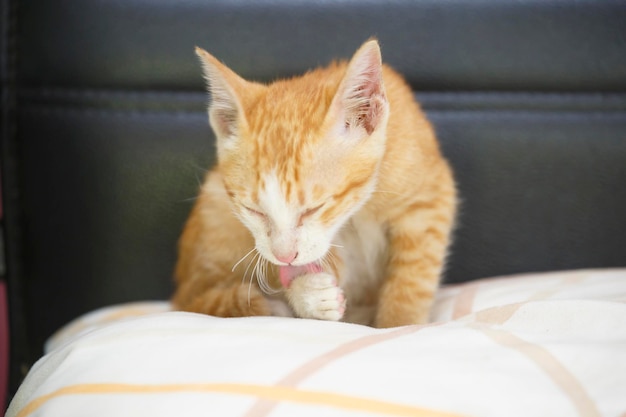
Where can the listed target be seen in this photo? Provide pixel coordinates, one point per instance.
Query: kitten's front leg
(316, 296)
(418, 242)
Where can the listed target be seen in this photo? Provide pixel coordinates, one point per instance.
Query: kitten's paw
(317, 296)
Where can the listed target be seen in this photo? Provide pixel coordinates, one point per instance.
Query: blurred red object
(4, 346)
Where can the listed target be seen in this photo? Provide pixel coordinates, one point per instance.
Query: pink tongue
(287, 273)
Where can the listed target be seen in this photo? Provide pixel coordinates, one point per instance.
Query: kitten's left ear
(360, 101)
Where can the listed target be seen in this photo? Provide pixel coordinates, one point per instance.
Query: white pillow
(533, 345)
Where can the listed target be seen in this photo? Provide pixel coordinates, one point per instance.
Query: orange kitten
(330, 199)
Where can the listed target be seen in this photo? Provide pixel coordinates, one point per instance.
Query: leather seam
(111, 112)
(107, 93)
(460, 113)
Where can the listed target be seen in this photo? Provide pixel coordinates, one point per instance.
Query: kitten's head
(299, 156)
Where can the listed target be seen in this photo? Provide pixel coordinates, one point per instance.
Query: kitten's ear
(360, 101)
(225, 109)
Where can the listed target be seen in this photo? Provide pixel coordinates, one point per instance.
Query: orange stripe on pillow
(464, 302)
(273, 393)
(263, 406)
(547, 362)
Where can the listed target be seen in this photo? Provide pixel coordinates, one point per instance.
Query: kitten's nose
(286, 257)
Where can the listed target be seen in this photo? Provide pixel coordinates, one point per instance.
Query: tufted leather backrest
(105, 137)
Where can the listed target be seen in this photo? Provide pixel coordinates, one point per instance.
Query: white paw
(317, 296)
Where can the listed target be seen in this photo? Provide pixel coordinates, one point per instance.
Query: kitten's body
(339, 164)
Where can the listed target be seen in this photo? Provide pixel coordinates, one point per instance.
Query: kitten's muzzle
(287, 258)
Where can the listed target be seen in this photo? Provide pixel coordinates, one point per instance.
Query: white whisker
(257, 273)
(241, 260)
(264, 270)
(186, 200)
(245, 274)
(257, 257)
(330, 260)
(256, 265)
(324, 264)
(249, 290)
(262, 278)
(198, 169)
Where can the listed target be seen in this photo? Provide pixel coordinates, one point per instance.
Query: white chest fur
(364, 249)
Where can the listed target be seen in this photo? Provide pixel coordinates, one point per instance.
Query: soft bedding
(534, 345)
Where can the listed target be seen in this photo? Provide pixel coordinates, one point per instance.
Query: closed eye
(255, 212)
(309, 213)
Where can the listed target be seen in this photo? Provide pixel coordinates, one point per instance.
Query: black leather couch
(105, 135)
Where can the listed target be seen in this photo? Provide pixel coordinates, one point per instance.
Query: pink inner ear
(364, 96)
(373, 114)
(225, 121)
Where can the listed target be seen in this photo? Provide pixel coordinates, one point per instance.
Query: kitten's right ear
(225, 109)
(360, 102)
